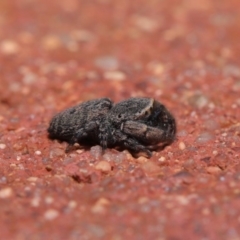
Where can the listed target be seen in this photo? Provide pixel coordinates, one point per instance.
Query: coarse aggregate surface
(55, 54)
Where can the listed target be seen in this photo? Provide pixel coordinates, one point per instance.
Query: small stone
(181, 146)
(213, 169)
(56, 152)
(151, 168)
(198, 100)
(51, 42)
(79, 151)
(35, 202)
(96, 151)
(51, 214)
(142, 200)
(206, 211)
(72, 204)
(156, 68)
(29, 78)
(9, 47)
(162, 159)
(182, 133)
(142, 159)
(183, 200)
(3, 179)
(100, 205)
(49, 200)
(83, 35)
(32, 179)
(114, 75)
(107, 62)
(215, 152)
(146, 24)
(20, 147)
(2, 146)
(204, 138)
(6, 192)
(103, 166)
(38, 152)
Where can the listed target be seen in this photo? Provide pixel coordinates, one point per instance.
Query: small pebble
(38, 152)
(142, 159)
(213, 169)
(215, 152)
(205, 211)
(142, 200)
(96, 151)
(72, 204)
(114, 75)
(162, 159)
(103, 166)
(3, 179)
(51, 42)
(100, 205)
(146, 24)
(9, 47)
(181, 145)
(48, 200)
(32, 179)
(182, 133)
(198, 100)
(151, 168)
(107, 62)
(2, 146)
(204, 137)
(83, 35)
(51, 214)
(56, 152)
(6, 192)
(183, 200)
(79, 151)
(35, 202)
(156, 68)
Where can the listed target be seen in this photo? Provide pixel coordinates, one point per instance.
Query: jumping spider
(138, 124)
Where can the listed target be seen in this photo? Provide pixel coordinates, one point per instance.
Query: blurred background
(55, 54)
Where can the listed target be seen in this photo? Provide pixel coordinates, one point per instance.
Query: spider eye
(148, 112)
(119, 115)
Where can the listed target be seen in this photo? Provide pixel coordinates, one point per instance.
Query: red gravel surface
(55, 54)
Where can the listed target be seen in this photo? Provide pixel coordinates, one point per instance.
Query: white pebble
(96, 151)
(9, 47)
(72, 204)
(35, 202)
(103, 166)
(32, 179)
(162, 159)
(51, 214)
(2, 146)
(181, 145)
(107, 62)
(114, 75)
(49, 200)
(38, 152)
(204, 137)
(6, 192)
(215, 152)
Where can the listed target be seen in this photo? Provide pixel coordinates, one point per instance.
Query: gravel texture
(55, 54)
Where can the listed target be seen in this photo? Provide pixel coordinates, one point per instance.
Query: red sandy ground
(55, 54)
